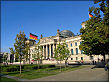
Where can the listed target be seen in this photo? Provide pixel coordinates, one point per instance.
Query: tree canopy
(95, 35)
(62, 52)
(20, 44)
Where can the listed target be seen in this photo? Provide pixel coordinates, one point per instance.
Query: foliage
(34, 74)
(38, 53)
(5, 57)
(20, 44)
(12, 68)
(96, 34)
(12, 52)
(62, 52)
(5, 79)
(27, 52)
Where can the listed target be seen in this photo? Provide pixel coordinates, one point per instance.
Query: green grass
(38, 73)
(5, 79)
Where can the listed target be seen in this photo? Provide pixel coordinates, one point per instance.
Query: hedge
(11, 68)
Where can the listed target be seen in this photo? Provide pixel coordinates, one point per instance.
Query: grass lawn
(4, 79)
(38, 73)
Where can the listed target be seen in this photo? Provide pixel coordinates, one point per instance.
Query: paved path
(84, 74)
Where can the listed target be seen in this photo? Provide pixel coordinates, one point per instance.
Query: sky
(40, 17)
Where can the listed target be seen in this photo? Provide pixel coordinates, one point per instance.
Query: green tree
(5, 58)
(27, 52)
(20, 46)
(62, 53)
(12, 52)
(38, 53)
(96, 34)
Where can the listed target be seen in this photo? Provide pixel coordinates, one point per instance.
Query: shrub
(10, 68)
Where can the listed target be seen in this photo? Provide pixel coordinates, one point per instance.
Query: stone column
(56, 45)
(14, 58)
(46, 51)
(50, 51)
(43, 52)
(53, 49)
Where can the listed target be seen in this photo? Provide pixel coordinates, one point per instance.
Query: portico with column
(48, 51)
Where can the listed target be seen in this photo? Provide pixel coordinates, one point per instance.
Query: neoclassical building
(49, 44)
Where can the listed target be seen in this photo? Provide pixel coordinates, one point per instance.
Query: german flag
(32, 36)
(90, 15)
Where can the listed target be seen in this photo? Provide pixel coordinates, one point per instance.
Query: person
(95, 62)
(82, 61)
(108, 65)
(98, 59)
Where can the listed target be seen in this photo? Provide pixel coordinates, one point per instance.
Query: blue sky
(40, 17)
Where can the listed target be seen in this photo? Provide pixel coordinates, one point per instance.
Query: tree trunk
(60, 66)
(38, 64)
(29, 58)
(65, 64)
(20, 65)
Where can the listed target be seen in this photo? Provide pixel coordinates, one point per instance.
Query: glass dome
(66, 33)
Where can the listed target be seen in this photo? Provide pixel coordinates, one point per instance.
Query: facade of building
(10, 57)
(49, 44)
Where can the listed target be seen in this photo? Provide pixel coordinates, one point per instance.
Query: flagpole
(88, 15)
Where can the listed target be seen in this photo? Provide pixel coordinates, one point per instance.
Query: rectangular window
(76, 51)
(71, 44)
(75, 43)
(91, 57)
(72, 51)
(81, 58)
(76, 58)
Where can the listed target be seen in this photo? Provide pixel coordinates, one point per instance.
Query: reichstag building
(72, 41)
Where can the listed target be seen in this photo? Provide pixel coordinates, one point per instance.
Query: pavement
(84, 74)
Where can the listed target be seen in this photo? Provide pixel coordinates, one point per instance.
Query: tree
(96, 34)
(38, 53)
(27, 52)
(5, 58)
(20, 46)
(12, 52)
(62, 53)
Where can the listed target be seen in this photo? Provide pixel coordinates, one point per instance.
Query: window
(81, 58)
(91, 57)
(75, 43)
(71, 58)
(76, 51)
(76, 58)
(72, 51)
(71, 44)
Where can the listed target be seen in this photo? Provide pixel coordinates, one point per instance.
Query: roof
(66, 33)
